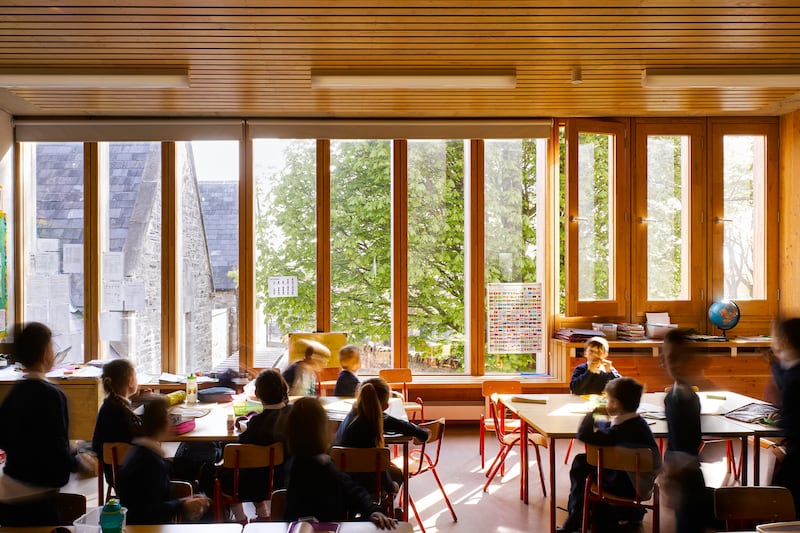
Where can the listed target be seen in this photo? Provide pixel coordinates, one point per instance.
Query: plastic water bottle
(191, 388)
(112, 517)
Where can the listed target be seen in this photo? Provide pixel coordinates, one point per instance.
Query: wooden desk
(164, 528)
(84, 398)
(557, 420)
(346, 527)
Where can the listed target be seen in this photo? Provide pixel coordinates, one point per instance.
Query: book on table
(752, 413)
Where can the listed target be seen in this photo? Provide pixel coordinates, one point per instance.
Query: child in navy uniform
(591, 377)
(116, 421)
(263, 429)
(143, 479)
(316, 487)
(366, 424)
(350, 360)
(35, 434)
(302, 375)
(626, 428)
(684, 483)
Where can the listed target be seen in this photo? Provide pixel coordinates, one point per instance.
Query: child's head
(33, 347)
(624, 395)
(350, 358)
(676, 355)
(786, 339)
(271, 388)
(307, 431)
(155, 419)
(595, 349)
(382, 390)
(315, 354)
(119, 377)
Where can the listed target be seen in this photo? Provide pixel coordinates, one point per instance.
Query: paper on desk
(171, 378)
(712, 403)
(657, 318)
(649, 410)
(9, 373)
(88, 372)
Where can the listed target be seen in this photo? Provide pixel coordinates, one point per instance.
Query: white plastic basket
(90, 522)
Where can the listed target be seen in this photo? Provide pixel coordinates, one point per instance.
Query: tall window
(514, 173)
(596, 237)
(54, 288)
(208, 177)
(436, 178)
(668, 248)
(361, 214)
(285, 235)
(130, 318)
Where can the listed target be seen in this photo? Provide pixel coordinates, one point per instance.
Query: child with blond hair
(347, 383)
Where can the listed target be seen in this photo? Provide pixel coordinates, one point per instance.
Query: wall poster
(514, 321)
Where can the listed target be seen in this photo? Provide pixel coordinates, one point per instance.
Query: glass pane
(436, 177)
(208, 177)
(361, 268)
(744, 253)
(667, 221)
(285, 182)
(595, 211)
(54, 295)
(511, 216)
(130, 304)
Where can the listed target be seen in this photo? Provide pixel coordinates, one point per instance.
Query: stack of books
(577, 335)
(630, 332)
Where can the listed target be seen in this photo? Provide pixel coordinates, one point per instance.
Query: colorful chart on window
(514, 318)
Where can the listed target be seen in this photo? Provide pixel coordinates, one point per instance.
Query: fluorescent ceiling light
(414, 79)
(721, 77)
(88, 78)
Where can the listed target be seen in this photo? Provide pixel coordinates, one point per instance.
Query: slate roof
(219, 202)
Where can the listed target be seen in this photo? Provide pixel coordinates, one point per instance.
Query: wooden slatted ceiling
(250, 59)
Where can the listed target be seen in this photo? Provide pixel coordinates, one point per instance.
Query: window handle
(642, 220)
(578, 219)
(722, 219)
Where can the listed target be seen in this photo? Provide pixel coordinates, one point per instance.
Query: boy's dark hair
(155, 416)
(271, 388)
(30, 343)
(307, 428)
(627, 391)
(678, 336)
(789, 331)
(117, 374)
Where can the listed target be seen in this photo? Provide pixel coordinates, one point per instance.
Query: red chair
(636, 461)
(113, 454)
(425, 458)
(366, 460)
(242, 456)
(508, 441)
(487, 421)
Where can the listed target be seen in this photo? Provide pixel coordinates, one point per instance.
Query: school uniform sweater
(143, 485)
(346, 384)
(115, 422)
(585, 382)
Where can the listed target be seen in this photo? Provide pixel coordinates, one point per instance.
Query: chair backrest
(277, 506)
(329, 373)
(637, 461)
(180, 489)
(747, 506)
(71, 506)
(239, 456)
(114, 454)
(497, 412)
(429, 449)
(397, 376)
(498, 386)
(366, 460)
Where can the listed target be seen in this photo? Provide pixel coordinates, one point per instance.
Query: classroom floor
(499, 509)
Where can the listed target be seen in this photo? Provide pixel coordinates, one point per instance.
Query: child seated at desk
(366, 424)
(626, 428)
(591, 377)
(350, 360)
(116, 421)
(316, 487)
(143, 479)
(263, 429)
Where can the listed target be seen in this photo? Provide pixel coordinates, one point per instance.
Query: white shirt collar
(624, 417)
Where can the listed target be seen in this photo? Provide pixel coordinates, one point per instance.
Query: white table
(345, 527)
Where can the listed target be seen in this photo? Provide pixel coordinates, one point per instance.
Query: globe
(724, 314)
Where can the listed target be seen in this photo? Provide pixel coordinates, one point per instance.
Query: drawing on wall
(514, 321)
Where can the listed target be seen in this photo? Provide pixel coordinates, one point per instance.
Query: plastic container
(90, 522)
(242, 407)
(191, 389)
(657, 331)
(609, 330)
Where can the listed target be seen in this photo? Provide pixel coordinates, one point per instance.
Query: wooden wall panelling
(789, 208)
